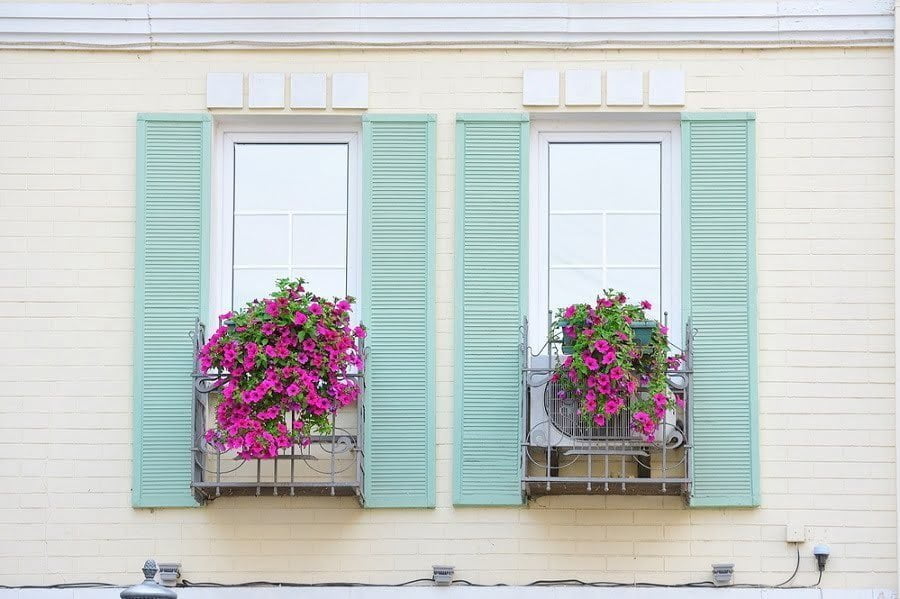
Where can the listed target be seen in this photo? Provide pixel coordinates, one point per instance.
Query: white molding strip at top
(145, 25)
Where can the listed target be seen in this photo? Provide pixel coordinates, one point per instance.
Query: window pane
(261, 240)
(632, 240)
(604, 204)
(254, 283)
(326, 282)
(638, 284)
(586, 176)
(296, 177)
(320, 240)
(576, 240)
(572, 285)
(298, 197)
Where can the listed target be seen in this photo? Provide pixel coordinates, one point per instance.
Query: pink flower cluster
(287, 354)
(609, 370)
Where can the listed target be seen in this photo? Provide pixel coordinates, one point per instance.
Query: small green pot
(643, 331)
(566, 346)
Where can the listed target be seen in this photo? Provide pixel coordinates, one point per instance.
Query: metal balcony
(564, 455)
(331, 465)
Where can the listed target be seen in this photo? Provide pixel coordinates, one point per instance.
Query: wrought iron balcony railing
(564, 455)
(330, 465)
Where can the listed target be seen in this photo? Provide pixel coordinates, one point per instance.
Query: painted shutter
(491, 154)
(398, 309)
(720, 302)
(173, 182)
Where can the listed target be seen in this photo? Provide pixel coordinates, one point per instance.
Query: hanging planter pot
(566, 342)
(643, 331)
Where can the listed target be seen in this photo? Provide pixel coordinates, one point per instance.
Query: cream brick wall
(67, 144)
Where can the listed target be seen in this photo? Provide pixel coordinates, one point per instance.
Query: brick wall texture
(825, 238)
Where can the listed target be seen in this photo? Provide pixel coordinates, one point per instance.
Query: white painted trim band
(764, 23)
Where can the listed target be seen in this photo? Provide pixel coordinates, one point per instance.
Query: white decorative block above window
(350, 90)
(224, 90)
(624, 88)
(307, 90)
(540, 87)
(266, 90)
(583, 87)
(666, 88)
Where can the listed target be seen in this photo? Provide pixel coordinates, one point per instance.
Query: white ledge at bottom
(463, 592)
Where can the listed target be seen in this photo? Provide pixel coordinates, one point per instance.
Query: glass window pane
(320, 240)
(297, 177)
(326, 282)
(261, 240)
(611, 176)
(572, 285)
(638, 284)
(296, 183)
(590, 182)
(632, 239)
(576, 240)
(254, 283)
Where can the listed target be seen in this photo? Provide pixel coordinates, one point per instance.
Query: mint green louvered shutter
(398, 309)
(720, 301)
(173, 182)
(491, 159)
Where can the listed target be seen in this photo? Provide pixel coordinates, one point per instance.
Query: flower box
(643, 331)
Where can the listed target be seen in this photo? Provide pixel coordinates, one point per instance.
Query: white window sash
(597, 130)
(233, 132)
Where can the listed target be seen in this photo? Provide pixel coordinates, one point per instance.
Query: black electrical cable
(576, 582)
(266, 583)
(185, 583)
(66, 585)
(796, 569)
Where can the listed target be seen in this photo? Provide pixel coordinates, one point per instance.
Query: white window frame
(666, 132)
(241, 131)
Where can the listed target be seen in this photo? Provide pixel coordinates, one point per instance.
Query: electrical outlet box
(169, 574)
(794, 533)
(442, 575)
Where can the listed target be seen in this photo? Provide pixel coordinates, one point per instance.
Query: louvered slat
(491, 280)
(398, 308)
(718, 157)
(173, 181)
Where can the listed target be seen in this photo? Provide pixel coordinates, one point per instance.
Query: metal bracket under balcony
(331, 465)
(564, 455)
